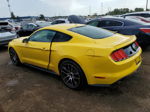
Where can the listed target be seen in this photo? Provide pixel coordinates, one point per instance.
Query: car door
(37, 50)
(57, 49)
(112, 25)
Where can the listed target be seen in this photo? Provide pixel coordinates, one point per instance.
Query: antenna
(9, 7)
(89, 10)
(101, 8)
(146, 5)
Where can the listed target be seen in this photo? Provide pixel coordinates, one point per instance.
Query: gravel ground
(24, 89)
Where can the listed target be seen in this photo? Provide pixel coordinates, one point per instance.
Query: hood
(20, 39)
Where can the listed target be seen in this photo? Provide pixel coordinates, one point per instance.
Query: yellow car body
(92, 55)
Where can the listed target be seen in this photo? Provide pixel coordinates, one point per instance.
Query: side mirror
(26, 40)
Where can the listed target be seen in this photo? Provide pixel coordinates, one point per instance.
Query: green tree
(13, 15)
(138, 9)
(119, 11)
(123, 11)
(42, 17)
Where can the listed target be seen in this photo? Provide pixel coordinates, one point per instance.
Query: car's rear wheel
(14, 57)
(72, 75)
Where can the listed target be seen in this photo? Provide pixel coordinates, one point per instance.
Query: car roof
(112, 18)
(144, 12)
(62, 26)
(60, 19)
(126, 21)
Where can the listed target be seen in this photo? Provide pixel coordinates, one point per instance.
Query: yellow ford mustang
(80, 54)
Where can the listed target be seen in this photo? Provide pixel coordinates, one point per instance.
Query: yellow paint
(93, 55)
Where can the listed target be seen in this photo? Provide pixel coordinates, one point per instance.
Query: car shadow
(113, 89)
(40, 72)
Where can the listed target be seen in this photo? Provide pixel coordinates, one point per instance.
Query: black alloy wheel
(72, 75)
(14, 57)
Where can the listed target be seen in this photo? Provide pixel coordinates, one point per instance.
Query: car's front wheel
(14, 57)
(72, 75)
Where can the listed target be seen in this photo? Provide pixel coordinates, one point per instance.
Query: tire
(72, 75)
(14, 57)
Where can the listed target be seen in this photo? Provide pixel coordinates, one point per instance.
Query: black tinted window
(92, 32)
(43, 36)
(31, 27)
(105, 23)
(60, 37)
(58, 22)
(61, 21)
(25, 27)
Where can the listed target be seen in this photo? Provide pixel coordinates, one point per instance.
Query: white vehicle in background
(144, 14)
(7, 33)
(60, 21)
(43, 23)
(70, 19)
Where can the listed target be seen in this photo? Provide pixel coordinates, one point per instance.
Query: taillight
(136, 43)
(145, 30)
(119, 55)
(125, 52)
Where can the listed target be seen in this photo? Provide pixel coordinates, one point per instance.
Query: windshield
(92, 32)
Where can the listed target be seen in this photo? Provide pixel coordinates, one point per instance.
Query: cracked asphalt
(25, 89)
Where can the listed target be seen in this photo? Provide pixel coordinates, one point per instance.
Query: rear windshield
(92, 32)
(138, 22)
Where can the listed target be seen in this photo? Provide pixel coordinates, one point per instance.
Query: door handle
(53, 50)
(44, 49)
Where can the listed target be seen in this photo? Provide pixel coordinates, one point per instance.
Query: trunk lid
(116, 41)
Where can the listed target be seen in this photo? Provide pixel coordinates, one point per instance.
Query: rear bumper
(110, 79)
(124, 69)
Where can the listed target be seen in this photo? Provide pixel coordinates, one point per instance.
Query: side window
(103, 23)
(115, 23)
(61, 37)
(25, 27)
(54, 22)
(106, 23)
(58, 22)
(61, 21)
(31, 27)
(43, 36)
(93, 23)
